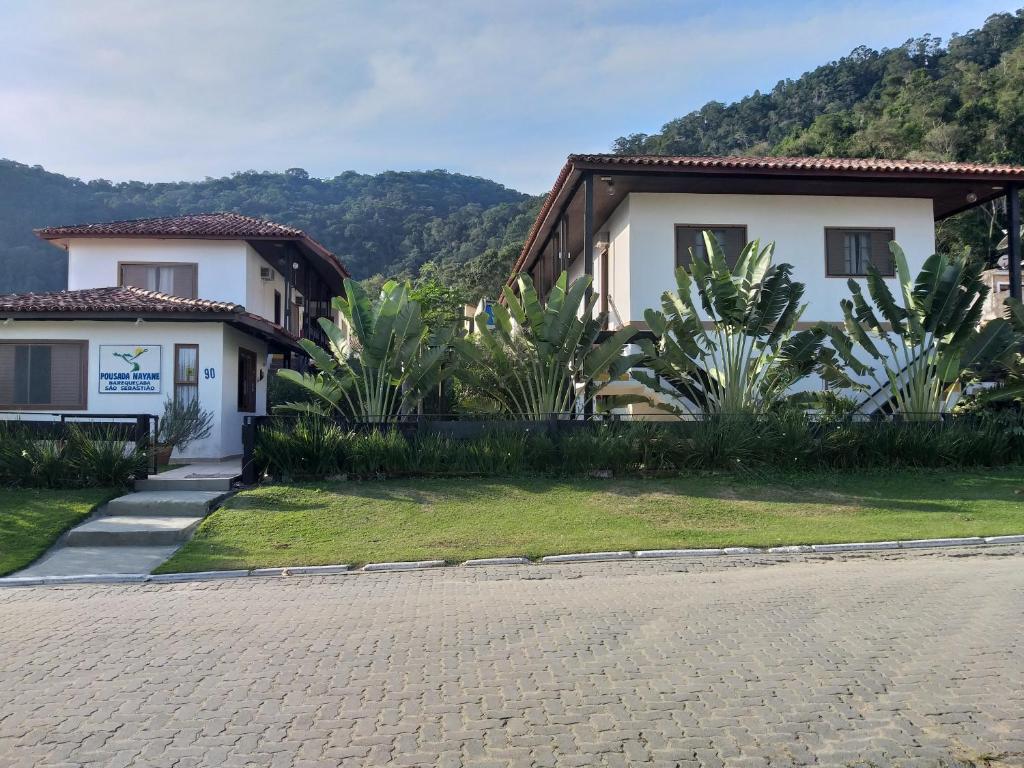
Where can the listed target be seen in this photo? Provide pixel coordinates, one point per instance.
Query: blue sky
(161, 91)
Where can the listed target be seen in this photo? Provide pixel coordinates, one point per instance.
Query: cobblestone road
(902, 659)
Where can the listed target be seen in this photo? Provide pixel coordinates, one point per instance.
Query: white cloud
(124, 89)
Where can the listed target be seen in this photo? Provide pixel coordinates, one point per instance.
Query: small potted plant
(180, 426)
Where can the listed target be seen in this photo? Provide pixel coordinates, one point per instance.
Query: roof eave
(254, 326)
(577, 164)
(61, 239)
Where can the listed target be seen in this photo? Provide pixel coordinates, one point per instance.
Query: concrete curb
(173, 578)
(586, 557)
(649, 553)
(411, 565)
(856, 546)
(581, 557)
(1004, 539)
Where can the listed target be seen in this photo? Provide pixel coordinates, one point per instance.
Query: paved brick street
(913, 658)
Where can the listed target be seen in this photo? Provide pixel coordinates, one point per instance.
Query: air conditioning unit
(299, 301)
(266, 274)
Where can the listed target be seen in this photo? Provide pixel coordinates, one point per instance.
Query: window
(186, 373)
(43, 374)
(172, 279)
(246, 381)
(277, 307)
(849, 252)
(731, 237)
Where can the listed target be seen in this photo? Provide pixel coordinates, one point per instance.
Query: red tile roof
(193, 225)
(128, 299)
(218, 226)
(832, 164)
(839, 167)
(131, 302)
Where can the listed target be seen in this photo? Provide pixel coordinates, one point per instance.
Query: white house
(183, 307)
(629, 221)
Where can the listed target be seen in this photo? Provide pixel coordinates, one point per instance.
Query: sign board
(129, 369)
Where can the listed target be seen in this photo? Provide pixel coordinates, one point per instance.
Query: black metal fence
(138, 428)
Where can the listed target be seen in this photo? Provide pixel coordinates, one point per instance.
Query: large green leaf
(934, 338)
(726, 356)
(539, 366)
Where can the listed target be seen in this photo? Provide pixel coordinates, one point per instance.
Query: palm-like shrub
(393, 361)
(743, 353)
(927, 343)
(542, 358)
(1010, 390)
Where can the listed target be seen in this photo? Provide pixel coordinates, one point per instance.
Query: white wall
(796, 223)
(92, 263)
(231, 417)
(259, 293)
(218, 360)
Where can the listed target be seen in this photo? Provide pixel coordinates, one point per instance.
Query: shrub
(15, 456)
(375, 453)
(97, 455)
(104, 457)
(183, 423)
(306, 447)
(600, 448)
(313, 447)
(52, 465)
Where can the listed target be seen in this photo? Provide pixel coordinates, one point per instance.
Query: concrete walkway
(135, 533)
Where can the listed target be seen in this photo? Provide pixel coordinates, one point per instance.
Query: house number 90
(210, 373)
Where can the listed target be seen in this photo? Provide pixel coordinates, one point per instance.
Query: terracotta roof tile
(193, 225)
(838, 166)
(131, 301)
(112, 300)
(197, 226)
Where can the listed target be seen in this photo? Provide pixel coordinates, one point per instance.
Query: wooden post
(588, 230)
(1013, 238)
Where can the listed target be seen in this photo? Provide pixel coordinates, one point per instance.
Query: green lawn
(458, 519)
(32, 519)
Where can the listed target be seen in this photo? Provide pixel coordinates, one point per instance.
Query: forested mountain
(922, 100)
(959, 101)
(389, 223)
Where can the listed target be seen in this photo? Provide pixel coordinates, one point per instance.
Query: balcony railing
(311, 330)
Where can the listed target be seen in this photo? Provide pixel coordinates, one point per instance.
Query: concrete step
(132, 530)
(85, 560)
(158, 483)
(165, 503)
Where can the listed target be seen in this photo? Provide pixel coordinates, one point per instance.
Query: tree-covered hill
(390, 223)
(923, 100)
(960, 101)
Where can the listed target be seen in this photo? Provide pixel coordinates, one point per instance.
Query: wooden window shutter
(835, 252)
(39, 375)
(735, 240)
(684, 239)
(881, 256)
(66, 380)
(6, 374)
(172, 279)
(835, 256)
(138, 276)
(731, 237)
